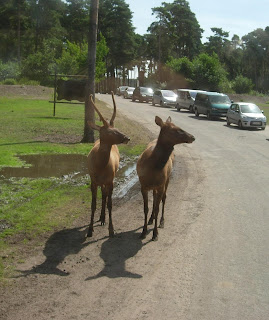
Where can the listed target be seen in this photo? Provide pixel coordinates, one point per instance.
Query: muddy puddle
(68, 167)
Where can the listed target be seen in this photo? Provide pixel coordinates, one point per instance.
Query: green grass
(29, 208)
(265, 108)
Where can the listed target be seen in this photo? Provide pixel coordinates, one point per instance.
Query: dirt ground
(37, 92)
(69, 276)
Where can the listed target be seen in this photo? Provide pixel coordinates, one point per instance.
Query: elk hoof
(143, 235)
(161, 225)
(155, 238)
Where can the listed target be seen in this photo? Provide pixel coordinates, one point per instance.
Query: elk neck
(104, 153)
(161, 154)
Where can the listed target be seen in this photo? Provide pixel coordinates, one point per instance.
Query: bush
(26, 81)
(209, 74)
(242, 84)
(38, 67)
(9, 70)
(9, 81)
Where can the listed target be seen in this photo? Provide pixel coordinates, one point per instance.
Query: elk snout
(125, 140)
(190, 138)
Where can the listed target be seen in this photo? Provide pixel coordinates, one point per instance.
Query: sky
(238, 17)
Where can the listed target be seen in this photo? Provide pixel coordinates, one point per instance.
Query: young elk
(103, 163)
(154, 168)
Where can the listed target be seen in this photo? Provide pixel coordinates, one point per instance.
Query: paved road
(230, 236)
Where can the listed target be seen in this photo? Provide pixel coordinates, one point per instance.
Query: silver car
(120, 90)
(164, 98)
(128, 93)
(246, 115)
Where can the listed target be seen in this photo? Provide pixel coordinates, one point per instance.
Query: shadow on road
(60, 245)
(116, 251)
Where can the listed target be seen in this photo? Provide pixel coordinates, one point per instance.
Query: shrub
(242, 84)
(9, 81)
(9, 70)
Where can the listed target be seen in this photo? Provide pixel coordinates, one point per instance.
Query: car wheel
(228, 121)
(196, 112)
(191, 109)
(240, 125)
(178, 107)
(263, 128)
(133, 99)
(161, 104)
(208, 115)
(153, 103)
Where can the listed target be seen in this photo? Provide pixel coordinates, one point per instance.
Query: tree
(89, 110)
(76, 21)
(177, 29)
(256, 57)
(217, 43)
(115, 23)
(208, 73)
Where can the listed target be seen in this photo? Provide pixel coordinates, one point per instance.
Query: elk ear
(169, 119)
(159, 121)
(93, 125)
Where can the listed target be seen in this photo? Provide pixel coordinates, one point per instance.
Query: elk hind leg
(93, 208)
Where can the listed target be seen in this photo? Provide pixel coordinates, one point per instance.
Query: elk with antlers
(154, 168)
(103, 163)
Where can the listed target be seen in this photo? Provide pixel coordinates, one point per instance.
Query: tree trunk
(90, 90)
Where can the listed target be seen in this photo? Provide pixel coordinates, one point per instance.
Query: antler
(99, 113)
(114, 112)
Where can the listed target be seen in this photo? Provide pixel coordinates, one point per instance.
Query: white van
(186, 98)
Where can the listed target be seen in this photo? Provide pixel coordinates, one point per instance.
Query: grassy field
(29, 207)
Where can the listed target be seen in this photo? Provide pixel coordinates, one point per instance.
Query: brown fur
(154, 168)
(103, 163)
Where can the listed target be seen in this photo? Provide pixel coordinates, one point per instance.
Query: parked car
(120, 90)
(128, 92)
(211, 104)
(164, 98)
(186, 98)
(142, 94)
(246, 115)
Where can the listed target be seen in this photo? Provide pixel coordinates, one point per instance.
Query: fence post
(54, 98)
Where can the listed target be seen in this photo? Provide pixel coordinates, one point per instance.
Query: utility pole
(90, 89)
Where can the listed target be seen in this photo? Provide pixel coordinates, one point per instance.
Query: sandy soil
(69, 276)
(120, 278)
(73, 277)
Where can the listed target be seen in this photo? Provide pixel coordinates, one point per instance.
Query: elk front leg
(93, 208)
(109, 207)
(163, 204)
(157, 199)
(146, 210)
(103, 210)
(152, 214)
(162, 218)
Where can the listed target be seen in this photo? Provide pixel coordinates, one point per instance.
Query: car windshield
(193, 94)
(146, 90)
(250, 108)
(219, 99)
(168, 93)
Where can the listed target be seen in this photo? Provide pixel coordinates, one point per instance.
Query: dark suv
(142, 94)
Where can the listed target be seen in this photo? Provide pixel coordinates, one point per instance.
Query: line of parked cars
(210, 104)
